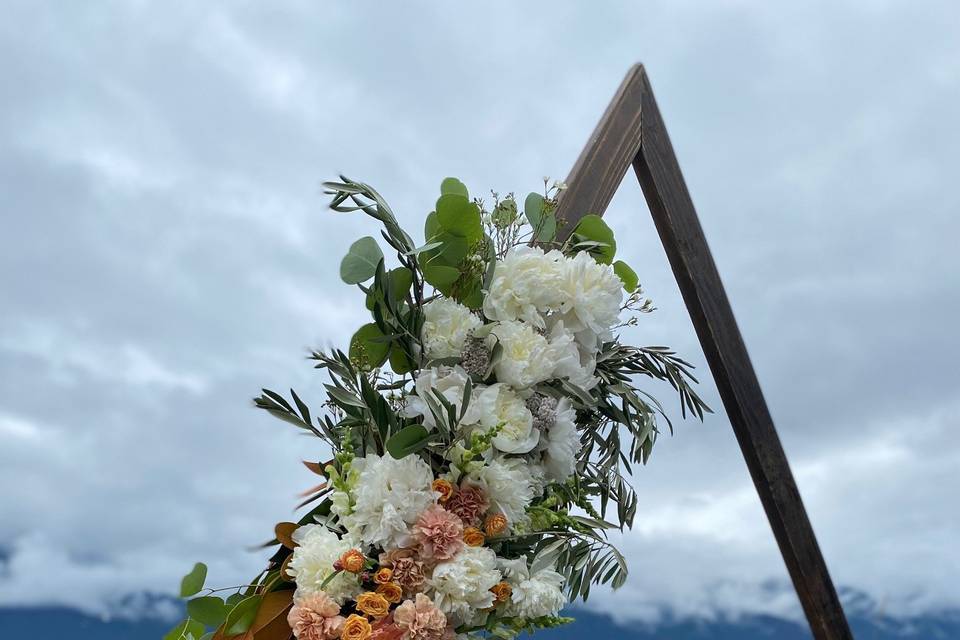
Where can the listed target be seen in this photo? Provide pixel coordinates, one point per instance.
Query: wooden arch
(631, 132)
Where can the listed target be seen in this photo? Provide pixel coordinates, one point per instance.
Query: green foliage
(458, 216)
(360, 263)
(192, 583)
(452, 186)
(408, 440)
(210, 610)
(627, 275)
(539, 214)
(369, 347)
(592, 234)
(186, 630)
(240, 618)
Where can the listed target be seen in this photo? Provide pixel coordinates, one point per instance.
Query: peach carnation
(469, 503)
(407, 570)
(385, 629)
(316, 617)
(421, 620)
(439, 533)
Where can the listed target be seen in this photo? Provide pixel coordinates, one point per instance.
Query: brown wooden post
(631, 131)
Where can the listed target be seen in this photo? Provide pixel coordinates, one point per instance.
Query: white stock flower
(448, 382)
(312, 563)
(525, 356)
(591, 295)
(570, 359)
(525, 283)
(388, 496)
(462, 585)
(509, 485)
(446, 325)
(499, 406)
(562, 444)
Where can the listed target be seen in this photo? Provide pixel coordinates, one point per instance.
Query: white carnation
(509, 485)
(535, 595)
(570, 359)
(562, 444)
(499, 406)
(388, 496)
(525, 356)
(312, 563)
(446, 381)
(446, 326)
(462, 585)
(591, 295)
(525, 283)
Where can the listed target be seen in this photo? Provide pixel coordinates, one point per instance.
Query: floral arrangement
(480, 430)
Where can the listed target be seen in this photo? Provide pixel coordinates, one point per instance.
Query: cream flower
(499, 406)
(462, 585)
(591, 294)
(312, 563)
(571, 360)
(509, 486)
(388, 496)
(525, 357)
(534, 595)
(562, 444)
(525, 283)
(449, 382)
(446, 325)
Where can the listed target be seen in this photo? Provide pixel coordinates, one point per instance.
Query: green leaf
(186, 629)
(399, 361)
(408, 440)
(592, 227)
(548, 228)
(210, 610)
(360, 263)
(505, 213)
(241, 617)
(627, 275)
(457, 215)
(192, 583)
(367, 347)
(440, 276)
(431, 226)
(454, 187)
(533, 209)
(401, 279)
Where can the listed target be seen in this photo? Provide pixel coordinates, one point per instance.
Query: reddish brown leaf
(316, 467)
(284, 531)
(274, 606)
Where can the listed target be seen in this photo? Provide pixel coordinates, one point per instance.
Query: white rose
(591, 295)
(499, 406)
(449, 382)
(312, 563)
(446, 326)
(525, 283)
(461, 586)
(509, 485)
(525, 356)
(388, 496)
(562, 444)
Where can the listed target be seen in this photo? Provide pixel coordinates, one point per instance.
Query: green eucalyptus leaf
(457, 215)
(431, 226)
(368, 347)
(627, 275)
(592, 227)
(505, 213)
(192, 583)
(408, 440)
(210, 610)
(548, 228)
(533, 209)
(360, 263)
(399, 362)
(185, 629)
(241, 617)
(455, 187)
(440, 276)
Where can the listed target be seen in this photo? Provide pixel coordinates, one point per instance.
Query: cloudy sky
(167, 252)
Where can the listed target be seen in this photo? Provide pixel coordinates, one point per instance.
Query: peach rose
(392, 591)
(473, 537)
(315, 617)
(373, 604)
(495, 524)
(383, 575)
(501, 592)
(444, 488)
(356, 627)
(353, 561)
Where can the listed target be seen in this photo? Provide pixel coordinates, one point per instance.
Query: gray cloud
(167, 254)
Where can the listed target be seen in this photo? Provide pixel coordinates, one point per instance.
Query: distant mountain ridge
(54, 623)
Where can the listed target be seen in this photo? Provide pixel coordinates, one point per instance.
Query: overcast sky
(167, 252)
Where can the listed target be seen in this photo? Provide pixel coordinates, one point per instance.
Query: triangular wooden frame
(631, 131)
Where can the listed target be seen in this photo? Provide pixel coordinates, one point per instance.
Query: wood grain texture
(592, 182)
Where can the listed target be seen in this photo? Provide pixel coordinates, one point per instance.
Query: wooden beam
(592, 183)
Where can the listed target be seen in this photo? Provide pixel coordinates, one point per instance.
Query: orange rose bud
(495, 524)
(383, 575)
(373, 604)
(501, 592)
(444, 488)
(391, 591)
(353, 561)
(356, 627)
(474, 537)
